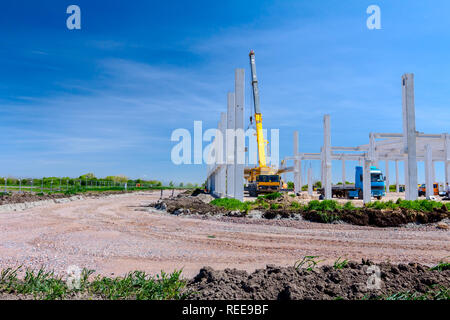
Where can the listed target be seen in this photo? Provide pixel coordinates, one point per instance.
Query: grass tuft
(138, 285)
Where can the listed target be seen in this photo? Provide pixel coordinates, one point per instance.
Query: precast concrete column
(428, 171)
(367, 164)
(367, 189)
(409, 134)
(397, 179)
(387, 176)
(310, 186)
(297, 165)
(230, 144)
(433, 171)
(343, 171)
(447, 159)
(223, 168)
(239, 101)
(327, 156)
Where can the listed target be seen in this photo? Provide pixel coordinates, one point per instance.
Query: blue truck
(352, 191)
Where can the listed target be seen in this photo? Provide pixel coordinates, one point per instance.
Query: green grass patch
(295, 205)
(416, 205)
(232, 204)
(275, 206)
(436, 293)
(137, 285)
(340, 264)
(441, 266)
(307, 263)
(271, 196)
(324, 205)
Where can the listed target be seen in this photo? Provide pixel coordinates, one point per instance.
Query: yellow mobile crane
(262, 178)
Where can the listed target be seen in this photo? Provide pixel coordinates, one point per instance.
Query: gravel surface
(114, 235)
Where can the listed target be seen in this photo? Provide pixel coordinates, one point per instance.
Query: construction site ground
(115, 235)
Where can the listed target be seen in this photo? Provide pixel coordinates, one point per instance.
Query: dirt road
(115, 235)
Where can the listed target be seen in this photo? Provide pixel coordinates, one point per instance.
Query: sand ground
(116, 235)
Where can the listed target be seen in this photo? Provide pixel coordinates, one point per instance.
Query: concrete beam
(410, 135)
(239, 100)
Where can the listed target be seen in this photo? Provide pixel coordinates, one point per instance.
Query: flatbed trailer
(352, 191)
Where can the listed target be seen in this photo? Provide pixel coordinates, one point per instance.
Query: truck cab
(377, 183)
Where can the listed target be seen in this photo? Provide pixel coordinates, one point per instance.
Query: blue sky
(106, 98)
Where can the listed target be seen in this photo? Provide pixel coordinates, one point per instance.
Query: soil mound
(353, 281)
(281, 208)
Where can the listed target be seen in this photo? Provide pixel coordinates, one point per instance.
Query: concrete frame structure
(225, 174)
(409, 146)
(226, 178)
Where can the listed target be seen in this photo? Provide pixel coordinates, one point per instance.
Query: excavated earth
(198, 203)
(353, 281)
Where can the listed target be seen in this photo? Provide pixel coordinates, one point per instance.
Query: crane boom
(258, 116)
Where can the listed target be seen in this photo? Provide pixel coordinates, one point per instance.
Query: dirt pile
(377, 217)
(185, 203)
(282, 208)
(353, 281)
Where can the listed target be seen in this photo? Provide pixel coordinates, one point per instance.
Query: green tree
(88, 176)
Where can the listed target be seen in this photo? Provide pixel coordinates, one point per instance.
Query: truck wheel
(379, 198)
(360, 195)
